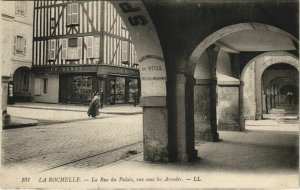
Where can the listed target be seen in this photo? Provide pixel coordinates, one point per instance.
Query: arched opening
(279, 89)
(253, 94)
(21, 84)
(157, 145)
(226, 96)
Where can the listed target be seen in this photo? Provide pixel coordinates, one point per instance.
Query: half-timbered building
(81, 47)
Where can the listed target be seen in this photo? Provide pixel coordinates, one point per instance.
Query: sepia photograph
(149, 94)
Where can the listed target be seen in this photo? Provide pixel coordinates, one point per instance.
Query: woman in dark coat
(94, 105)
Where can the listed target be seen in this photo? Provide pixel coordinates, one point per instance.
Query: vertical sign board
(144, 36)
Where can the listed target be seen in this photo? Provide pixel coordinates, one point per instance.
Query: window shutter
(69, 14)
(124, 52)
(24, 46)
(89, 46)
(74, 14)
(15, 44)
(97, 46)
(79, 48)
(64, 49)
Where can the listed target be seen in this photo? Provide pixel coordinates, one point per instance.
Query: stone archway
(153, 78)
(283, 86)
(211, 39)
(195, 62)
(22, 84)
(251, 80)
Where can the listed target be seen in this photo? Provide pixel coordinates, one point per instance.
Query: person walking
(94, 105)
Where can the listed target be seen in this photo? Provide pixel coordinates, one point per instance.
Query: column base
(210, 137)
(258, 117)
(229, 127)
(5, 120)
(193, 156)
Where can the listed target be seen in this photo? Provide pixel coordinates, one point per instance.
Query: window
(21, 8)
(45, 85)
(20, 45)
(72, 48)
(73, 42)
(52, 49)
(125, 46)
(89, 46)
(72, 14)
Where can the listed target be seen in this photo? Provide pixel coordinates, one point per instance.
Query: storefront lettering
(136, 19)
(151, 56)
(65, 69)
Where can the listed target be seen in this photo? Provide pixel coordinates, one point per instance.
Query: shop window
(21, 8)
(51, 49)
(125, 52)
(20, 45)
(72, 14)
(133, 89)
(82, 88)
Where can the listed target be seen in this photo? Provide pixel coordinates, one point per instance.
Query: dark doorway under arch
(21, 83)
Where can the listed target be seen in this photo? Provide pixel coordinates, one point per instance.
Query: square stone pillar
(228, 106)
(155, 129)
(184, 128)
(204, 109)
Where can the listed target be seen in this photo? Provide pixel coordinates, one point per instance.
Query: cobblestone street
(68, 144)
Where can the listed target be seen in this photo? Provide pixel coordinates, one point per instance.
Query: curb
(16, 125)
(105, 112)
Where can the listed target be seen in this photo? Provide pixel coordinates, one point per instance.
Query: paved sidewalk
(256, 158)
(113, 109)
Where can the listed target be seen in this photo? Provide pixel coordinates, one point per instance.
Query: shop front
(120, 85)
(76, 84)
(65, 84)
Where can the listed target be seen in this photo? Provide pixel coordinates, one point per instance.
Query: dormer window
(72, 14)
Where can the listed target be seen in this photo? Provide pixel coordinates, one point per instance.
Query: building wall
(97, 20)
(52, 91)
(15, 21)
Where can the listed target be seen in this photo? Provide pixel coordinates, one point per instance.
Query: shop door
(117, 90)
(63, 90)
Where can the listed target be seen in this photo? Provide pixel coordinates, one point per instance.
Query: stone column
(184, 128)
(155, 129)
(264, 107)
(275, 94)
(258, 89)
(205, 102)
(228, 106)
(268, 99)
